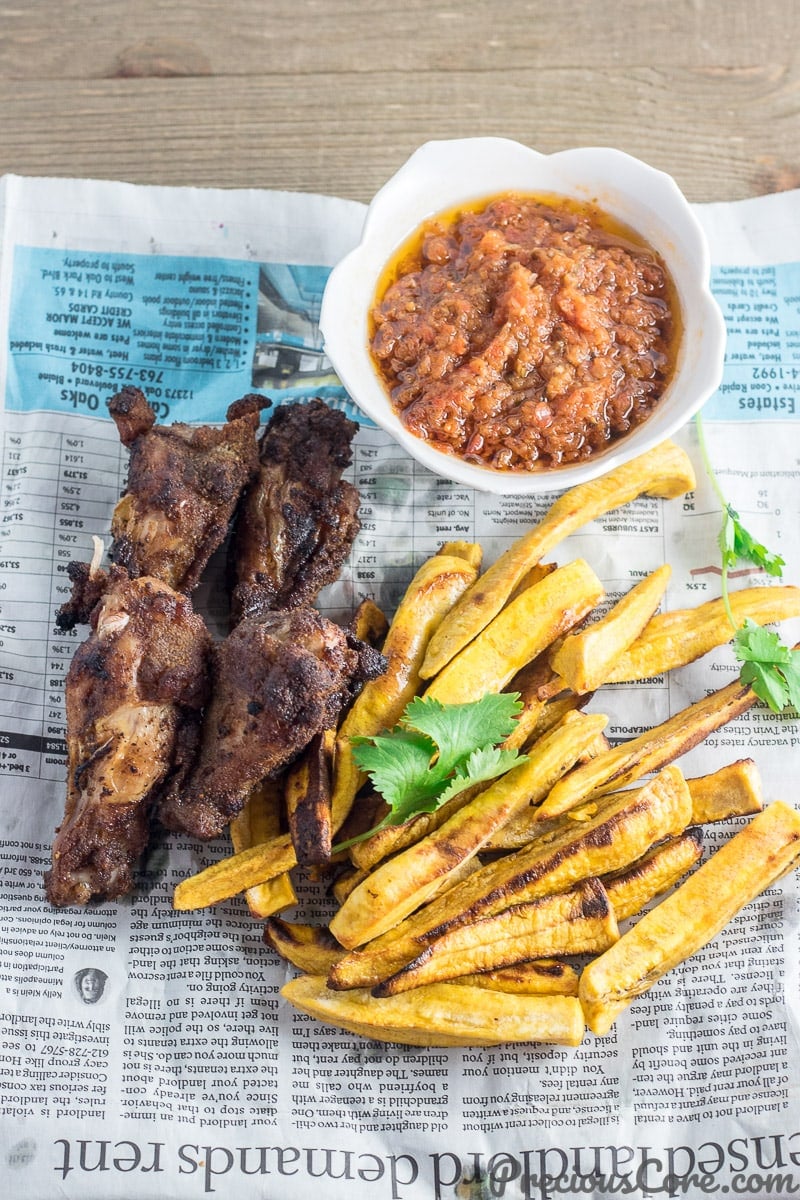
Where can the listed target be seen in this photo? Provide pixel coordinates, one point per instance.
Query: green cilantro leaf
(770, 668)
(457, 729)
(489, 762)
(791, 673)
(436, 751)
(736, 543)
(398, 764)
(767, 683)
(754, 643)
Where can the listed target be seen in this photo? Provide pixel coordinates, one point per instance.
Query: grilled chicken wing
(134, 693)
(298, 519)
(184, 482)
(278, 679)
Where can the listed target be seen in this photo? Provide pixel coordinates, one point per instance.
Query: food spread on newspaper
(157, 1044)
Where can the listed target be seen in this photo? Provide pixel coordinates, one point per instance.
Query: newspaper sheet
(147, 1053)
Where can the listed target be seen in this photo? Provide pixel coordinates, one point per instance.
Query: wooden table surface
(332, 95)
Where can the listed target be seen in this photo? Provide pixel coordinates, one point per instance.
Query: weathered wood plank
(722, 134)
(79, 39)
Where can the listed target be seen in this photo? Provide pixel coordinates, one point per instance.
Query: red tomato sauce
(524, 334)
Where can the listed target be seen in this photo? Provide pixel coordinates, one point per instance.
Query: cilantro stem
(712, 475)
(726, 516)
(362, 837)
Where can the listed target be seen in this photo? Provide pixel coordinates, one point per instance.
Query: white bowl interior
(443, 174)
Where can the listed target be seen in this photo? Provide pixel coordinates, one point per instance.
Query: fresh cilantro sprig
(771, 668)
(434, 752)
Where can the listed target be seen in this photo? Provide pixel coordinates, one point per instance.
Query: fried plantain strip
(442, 1014)
(471, 552)
(676, 638)
(526, 826)
(236, 874)
(308, 800)
(310, 948)
(664, 471)
(732, 791)
(400, 885)
(345, 883)
(530, 682)
(369, 623)
(259, 821)
(393, 838)
(536, 573)
(693, 915)
(580, 921)
(432, 592)
(554, 712)
(538, 977)
(584, 660)
(623, 829)
(650, 751)
(638, 884)
(518, 634)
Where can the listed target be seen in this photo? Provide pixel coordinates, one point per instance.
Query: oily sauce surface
(525, 332)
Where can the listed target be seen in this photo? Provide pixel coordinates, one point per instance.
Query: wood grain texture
(332, 95)
(79, 39)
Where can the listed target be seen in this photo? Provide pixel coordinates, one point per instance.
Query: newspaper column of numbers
(30, 482)
(385, 482)
(88, 473)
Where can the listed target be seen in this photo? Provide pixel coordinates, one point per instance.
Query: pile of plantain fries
(452, 929)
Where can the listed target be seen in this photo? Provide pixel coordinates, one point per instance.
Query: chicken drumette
(278, 679)
(134, 694)
(184, 482)
(298, 519)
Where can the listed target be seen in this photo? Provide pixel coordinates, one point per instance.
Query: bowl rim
(406, 195)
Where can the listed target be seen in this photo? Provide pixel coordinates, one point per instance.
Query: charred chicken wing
(278, 679)
(298, 519)
(134, 693)
(184, 482)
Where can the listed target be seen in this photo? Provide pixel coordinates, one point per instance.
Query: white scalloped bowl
(441, 175)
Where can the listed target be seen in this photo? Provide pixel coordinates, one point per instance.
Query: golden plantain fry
(307, 793)
(529, 683)
(584, 660)
(236, 874)
(369, 623)
(258, 821)
(537, 977)
(751, 861)
(310, 948)
(665, 471)
(536, 573)
(308, 780)
(400, 885)
(394, 838)
(650, 751)
(732, 791)
(345, 883)
(676, 638)
(638, 884)
(518, 634)
(467, 868)
(625, 826)
(552, 713)
(442, 1014)
(471, 552)
(432, 592)
(580, 921)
